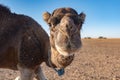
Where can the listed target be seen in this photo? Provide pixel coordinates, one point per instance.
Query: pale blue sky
(102, 16)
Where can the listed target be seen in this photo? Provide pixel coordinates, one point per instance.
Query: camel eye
(76, 21)
(55, 21)
(49, 24)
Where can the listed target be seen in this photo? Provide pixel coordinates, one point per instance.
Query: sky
(102, 16)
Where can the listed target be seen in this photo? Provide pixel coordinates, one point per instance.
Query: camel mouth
(67, 52)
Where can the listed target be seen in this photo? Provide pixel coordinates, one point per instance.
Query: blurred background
(102, 16)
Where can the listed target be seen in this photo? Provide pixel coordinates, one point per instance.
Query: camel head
(65, 25)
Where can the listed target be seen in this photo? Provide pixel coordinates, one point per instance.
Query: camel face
(67, 37)
(65, 25)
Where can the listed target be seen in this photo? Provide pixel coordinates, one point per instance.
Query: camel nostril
(67, 26)
(68, 45)
(70, 27)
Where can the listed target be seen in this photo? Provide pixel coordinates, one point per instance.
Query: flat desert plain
(98, 59)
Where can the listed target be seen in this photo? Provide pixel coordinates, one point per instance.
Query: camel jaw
(58, 61)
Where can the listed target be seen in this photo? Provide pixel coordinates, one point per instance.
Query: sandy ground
(98, 59)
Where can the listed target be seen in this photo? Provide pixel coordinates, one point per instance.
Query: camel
(24, 44)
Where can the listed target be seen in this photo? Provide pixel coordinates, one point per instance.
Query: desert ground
(98, 59)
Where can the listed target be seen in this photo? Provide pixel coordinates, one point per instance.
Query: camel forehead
(63, 11)
(64, 14)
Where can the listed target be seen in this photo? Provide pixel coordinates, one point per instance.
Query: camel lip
(67, 52)
(63, 52)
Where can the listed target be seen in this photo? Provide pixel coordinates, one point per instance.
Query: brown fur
(24, 45)
(22, 41)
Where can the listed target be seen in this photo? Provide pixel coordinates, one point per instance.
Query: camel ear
(46, 16)
(82, 17)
